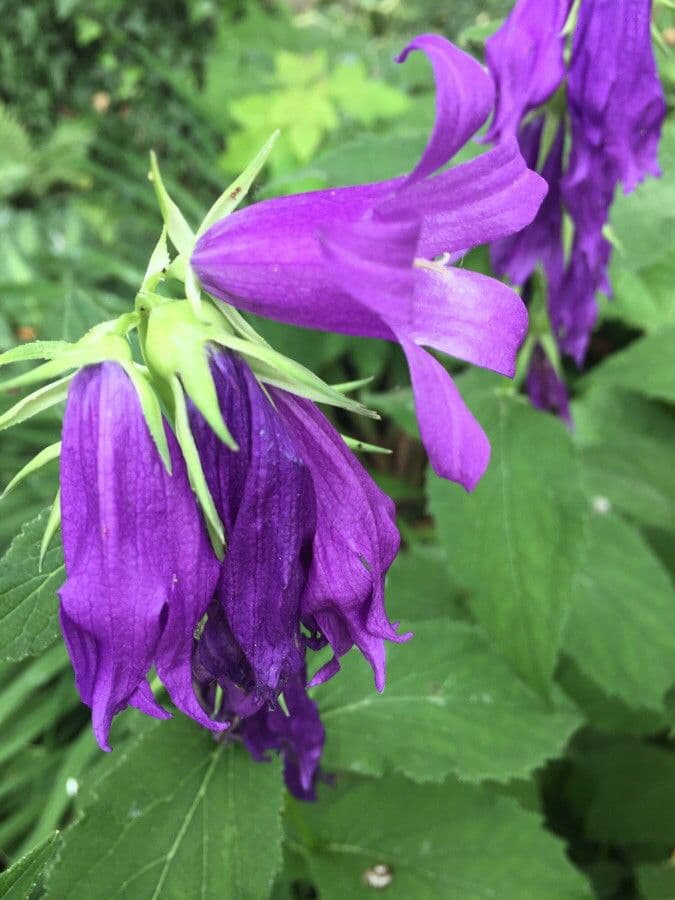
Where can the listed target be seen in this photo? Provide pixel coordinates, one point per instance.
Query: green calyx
(177, 337)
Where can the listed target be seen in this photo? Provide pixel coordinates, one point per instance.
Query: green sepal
(91, 349)
(34, 350)
(41, 459)
(571, 22)
(348, 387)
(52, 526)
(152, 411)
(548, 136)
(157, 265)
(195, 471)
(235, 193)
(176, 344)
(45, 397)
(278, 370)
(180, 233)
(237, 323)
(363, 447)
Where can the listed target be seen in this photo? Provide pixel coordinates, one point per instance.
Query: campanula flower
(611, 125)
(363, 260)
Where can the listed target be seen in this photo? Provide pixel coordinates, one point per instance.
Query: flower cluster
(216, 527)
(602, 128)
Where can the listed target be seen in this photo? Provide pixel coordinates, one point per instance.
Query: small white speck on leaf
(72, 787)
(601, 505)
(379, 877)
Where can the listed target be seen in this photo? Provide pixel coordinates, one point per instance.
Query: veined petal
(464, 97)
(470, 316)
(264, 495)
(457, 446)
(474, 203)
(355, 542)
(119, 548)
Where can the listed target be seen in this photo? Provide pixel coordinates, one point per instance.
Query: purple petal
(475, 203)
(615, 98)
(517, 256)
(299, 737)
(544, 387)
(117, 502)
(464, 96)
(264, 495)
(525, 57)
(355, 542)
(457, 446)
(470, 316)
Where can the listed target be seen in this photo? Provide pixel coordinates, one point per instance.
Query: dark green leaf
(514, 543)
(28, 604)
(622, 626)
(451, 705)
(645, 366)
(179, 816)
(452, 841)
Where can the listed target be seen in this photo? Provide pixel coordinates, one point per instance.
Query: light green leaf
(237, 191)
(28, 603)
(621, 630)
(49, 454)
(21, 879)
(514, 543)
(451, 706)
(452, 841)
(626, 445)
(44, 398)
(179, 816)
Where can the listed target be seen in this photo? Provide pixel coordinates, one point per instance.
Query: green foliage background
(524, 745)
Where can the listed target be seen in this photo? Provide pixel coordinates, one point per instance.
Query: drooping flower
(525, 57)
(139, 566)
(615, 110)
(361, 260)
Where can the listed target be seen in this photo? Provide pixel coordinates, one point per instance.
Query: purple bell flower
(544, 387)
(616, 110)
(360, 260)
(140, 569)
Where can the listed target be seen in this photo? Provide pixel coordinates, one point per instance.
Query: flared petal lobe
(129, 600)
(525, 57)
(263, 492)
(298, 736)
(355, 542)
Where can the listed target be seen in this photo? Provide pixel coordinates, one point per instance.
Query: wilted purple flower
(359, 260)
(616, 109)
(139, 566)
(525, 57)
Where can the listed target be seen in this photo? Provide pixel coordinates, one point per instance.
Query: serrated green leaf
(451, 706)
(44, 398)
(514, 543)
(49, 454)
(28, 603)
(179, 816)
(21, 879)
(452, 841)
(621, 630)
